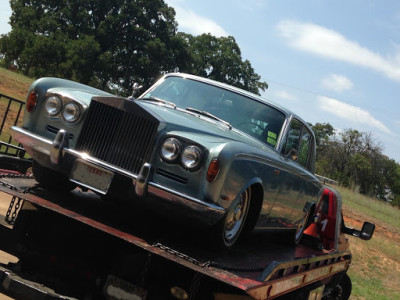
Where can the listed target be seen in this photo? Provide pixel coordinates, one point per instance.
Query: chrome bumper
(58, 156)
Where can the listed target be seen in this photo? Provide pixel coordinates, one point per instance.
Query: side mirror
(365, 234)
(367, 231)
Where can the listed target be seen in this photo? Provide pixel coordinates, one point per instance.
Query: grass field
(375, 270)
(13, 84)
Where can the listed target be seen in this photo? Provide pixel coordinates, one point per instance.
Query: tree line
(110, 44)
(355, 160)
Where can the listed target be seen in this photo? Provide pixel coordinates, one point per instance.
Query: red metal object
(327, 217)
(8, 172)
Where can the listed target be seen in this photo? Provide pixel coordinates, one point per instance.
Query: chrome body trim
(142, 180)
(60, 142)
(41, 150)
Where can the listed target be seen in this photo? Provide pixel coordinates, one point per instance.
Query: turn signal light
(31, 101)
(213, 170)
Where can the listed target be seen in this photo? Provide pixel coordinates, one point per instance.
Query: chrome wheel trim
(236, 217)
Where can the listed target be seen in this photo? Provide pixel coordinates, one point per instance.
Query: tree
(220, 59)
(323, 132)
(355, 160)
(105, 43)
(110, 44)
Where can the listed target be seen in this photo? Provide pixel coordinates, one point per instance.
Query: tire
(51, 179)
(230, 227)
(342, 290)
(302, 227)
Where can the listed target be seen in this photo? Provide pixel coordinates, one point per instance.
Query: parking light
(31, 101)
(213, 170)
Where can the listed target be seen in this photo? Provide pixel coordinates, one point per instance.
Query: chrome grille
(122, 138)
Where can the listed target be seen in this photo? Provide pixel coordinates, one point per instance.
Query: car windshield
(253, 117)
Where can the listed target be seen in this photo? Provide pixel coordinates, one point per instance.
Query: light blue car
(191, 148)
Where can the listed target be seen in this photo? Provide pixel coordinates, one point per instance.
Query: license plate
(91, 176)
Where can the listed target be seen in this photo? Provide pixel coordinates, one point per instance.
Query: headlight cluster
(173, 151)
(70, 112)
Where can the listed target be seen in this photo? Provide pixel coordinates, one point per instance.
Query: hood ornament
(135, 88)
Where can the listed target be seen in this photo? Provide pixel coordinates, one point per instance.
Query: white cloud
(329, 43)
(190, 22)
(285, 95)
(337, 83)
(350, 113)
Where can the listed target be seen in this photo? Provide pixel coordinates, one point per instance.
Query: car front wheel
(231, 226)
(51, 179)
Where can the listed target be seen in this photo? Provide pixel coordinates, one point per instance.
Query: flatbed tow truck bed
(69, 244)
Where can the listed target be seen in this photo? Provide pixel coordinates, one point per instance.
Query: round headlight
(170, 149)
(71, 112)
(53, 105)
(191, 157)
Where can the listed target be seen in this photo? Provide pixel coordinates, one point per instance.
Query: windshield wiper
(209, 115)
(159, 100)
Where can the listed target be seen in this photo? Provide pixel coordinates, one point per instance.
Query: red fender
(325, 226)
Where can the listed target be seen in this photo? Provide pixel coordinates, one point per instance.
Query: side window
(298, 143)
(304, 150)
(291, 148)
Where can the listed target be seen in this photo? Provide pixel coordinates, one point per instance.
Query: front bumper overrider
(56, 154)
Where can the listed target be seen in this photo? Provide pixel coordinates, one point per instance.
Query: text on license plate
(91, 176)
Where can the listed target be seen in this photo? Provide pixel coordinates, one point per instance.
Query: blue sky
(328, 61)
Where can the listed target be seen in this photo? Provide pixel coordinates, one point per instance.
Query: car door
(286, 201)
(310, 187)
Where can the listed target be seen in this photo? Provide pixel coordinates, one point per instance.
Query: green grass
(370, 288)
(376, 209)
(13, 84)
(16, 86)
(375, 269)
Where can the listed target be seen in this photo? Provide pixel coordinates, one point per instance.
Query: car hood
(201, 128)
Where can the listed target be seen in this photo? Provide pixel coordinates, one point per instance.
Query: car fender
(42, 85)
(246, 170)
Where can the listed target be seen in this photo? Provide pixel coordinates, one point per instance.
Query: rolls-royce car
(194, 149)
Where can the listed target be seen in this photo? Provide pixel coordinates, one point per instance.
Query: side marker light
(213, 170)
(31, 101)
